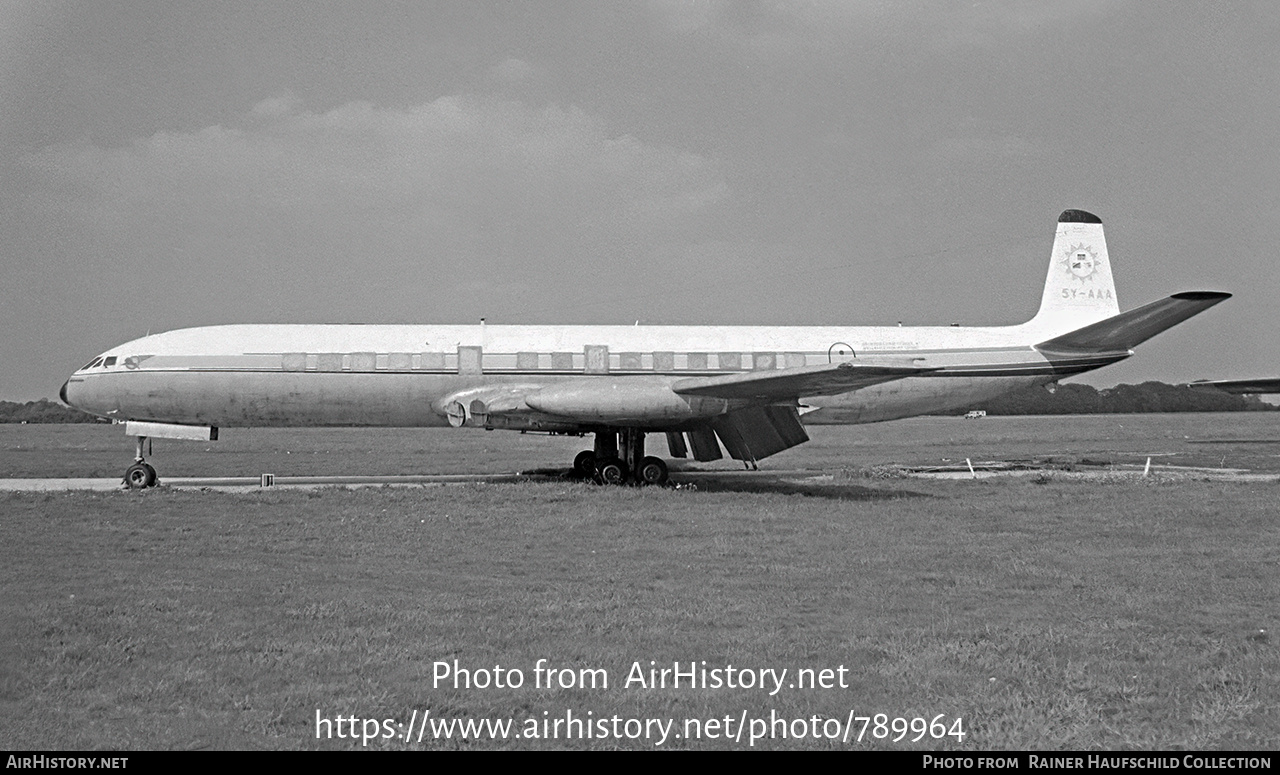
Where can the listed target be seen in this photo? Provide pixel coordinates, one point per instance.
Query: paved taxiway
(255, 483)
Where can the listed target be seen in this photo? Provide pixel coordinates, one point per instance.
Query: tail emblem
(1082, 262)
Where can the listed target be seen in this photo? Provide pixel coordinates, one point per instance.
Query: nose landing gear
(141, 474)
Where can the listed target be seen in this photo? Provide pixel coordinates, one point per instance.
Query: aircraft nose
(63, 393)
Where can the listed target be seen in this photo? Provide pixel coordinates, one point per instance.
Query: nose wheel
(141, 474)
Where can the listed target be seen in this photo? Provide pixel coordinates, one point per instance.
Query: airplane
(745, 388)
(1242, 387)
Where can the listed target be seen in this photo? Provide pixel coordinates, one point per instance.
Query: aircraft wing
(789, 384)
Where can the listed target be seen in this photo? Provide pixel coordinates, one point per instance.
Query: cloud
(512, 70)
(978, 148)
(766, 27)
(276, 106)
(686, 16)
(776, 28)
(471, 159)
(364, 212)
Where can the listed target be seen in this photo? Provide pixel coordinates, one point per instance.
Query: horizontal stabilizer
(1127, 330)
(790, 384)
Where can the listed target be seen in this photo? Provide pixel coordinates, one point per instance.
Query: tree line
(1121, 399)
(41, 411)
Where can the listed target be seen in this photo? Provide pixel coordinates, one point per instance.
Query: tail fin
(1079, 289)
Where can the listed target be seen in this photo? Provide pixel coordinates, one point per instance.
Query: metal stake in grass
(970, 464)
(1147, 470)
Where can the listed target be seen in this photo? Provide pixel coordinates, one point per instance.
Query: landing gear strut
(141, 474)
(607, 466)
(610, 469)
(642, 469)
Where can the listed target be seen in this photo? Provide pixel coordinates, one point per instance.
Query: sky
(176, 163)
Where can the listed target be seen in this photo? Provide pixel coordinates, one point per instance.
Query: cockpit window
(91, 364)
(111, 361)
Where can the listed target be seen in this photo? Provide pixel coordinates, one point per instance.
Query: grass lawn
(1046, 614)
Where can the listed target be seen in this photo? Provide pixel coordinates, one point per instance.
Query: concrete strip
(252, 483)
(1128, 472)
(57, 485)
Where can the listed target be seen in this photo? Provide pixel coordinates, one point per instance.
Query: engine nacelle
(619, 400)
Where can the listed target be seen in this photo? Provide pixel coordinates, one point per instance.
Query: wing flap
(705, 446)
(790, 384)
(759, 431)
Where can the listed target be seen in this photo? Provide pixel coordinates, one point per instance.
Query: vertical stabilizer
(1079, 289)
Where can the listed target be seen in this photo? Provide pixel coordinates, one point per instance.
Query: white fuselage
(377, 375)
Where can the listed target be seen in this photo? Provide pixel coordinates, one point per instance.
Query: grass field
(1235, 440)
(1046, 612)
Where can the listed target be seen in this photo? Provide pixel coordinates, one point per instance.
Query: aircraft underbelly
(260, 399)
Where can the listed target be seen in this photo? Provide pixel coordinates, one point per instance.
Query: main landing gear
(141, 474)
(607, 466)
